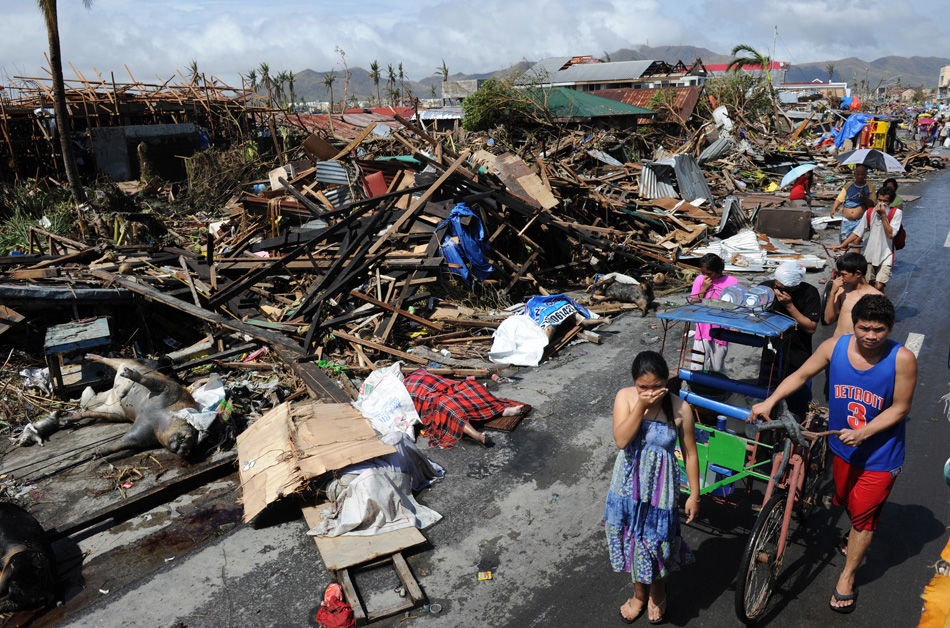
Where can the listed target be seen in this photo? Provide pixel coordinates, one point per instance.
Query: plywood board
(340, 552)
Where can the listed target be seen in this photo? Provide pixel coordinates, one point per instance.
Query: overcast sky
(228, 37)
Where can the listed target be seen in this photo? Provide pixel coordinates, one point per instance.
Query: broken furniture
(74, 339)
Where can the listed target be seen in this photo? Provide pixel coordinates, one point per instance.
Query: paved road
(530, 509)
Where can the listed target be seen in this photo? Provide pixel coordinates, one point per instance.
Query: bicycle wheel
(814, 474)
(759, 561)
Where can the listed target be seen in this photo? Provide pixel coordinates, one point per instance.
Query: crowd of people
(869, 388)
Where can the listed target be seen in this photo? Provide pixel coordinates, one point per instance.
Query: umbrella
(792, 175)
(925, 121)
(872, 158)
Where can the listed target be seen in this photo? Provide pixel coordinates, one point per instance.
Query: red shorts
(862, 493)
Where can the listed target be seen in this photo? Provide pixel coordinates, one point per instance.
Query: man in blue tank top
(871, 385)
(853, 201)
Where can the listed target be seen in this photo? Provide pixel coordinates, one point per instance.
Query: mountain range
(892, 70)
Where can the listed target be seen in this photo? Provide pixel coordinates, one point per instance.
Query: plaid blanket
(446, 405)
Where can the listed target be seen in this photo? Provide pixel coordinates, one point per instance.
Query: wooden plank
(418, 203)
(8, 318)
(408, 580)
(352, 598)
(319, 384)
(150, 498)
(422, 321)
(340, 552)
(356, 141)
(380, 347)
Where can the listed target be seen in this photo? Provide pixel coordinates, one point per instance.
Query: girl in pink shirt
(709, 285)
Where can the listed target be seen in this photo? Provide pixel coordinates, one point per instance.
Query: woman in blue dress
(642, 516)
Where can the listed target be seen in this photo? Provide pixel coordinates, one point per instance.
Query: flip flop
(838, 597)
(662, 618)
(635, 617)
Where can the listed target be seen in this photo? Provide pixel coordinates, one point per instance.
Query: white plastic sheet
(386, 403)
(519, 341)
(376, 496)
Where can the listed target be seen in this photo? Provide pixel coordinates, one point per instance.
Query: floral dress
(642, 514)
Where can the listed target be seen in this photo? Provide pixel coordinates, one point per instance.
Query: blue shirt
(855, 399)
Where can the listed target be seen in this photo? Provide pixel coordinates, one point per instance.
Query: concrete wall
(112, 145)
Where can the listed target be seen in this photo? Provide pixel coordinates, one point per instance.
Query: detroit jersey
(855, 399)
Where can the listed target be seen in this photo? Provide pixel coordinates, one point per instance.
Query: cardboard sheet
(292, 444)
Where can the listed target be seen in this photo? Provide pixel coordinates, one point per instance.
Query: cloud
(818, 30)
(228, 37)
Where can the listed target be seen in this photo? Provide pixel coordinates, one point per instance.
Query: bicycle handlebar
(784, 420)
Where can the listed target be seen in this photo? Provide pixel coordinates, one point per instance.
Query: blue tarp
(471, 252)
(766, 324)
(553, 310)
(852, 126)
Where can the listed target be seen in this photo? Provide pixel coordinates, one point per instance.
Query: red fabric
(799, 188)
(446, 405)
(862, 493)
(334, 612)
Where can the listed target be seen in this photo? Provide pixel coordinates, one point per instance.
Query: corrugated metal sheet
(549, 71)
(715, 150)
(604, 157)
(684, 99)
(337, 196)
(571, 103)
(690, 179)
(332, 172)
(656, 181)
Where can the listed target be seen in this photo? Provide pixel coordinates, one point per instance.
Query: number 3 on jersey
(856, 419)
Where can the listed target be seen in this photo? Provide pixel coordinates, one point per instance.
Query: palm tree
(443, 70)
(48, 7)
(265, 77)
(252, 79)
(392, 83)
(193, 69)
(830, 69)
(290, 84)
(750, 56)
(402, 85)
(374, 74)
(328, 79)
(279, 81)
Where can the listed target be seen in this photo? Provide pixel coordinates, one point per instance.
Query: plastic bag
(212, 401)
(946, 143)
(386, 403)
(519, 341)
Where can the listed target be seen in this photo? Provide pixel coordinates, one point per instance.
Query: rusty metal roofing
(346, 126)
(684, 100)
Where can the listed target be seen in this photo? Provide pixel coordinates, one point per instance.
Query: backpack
(900, 238)
(334, 612)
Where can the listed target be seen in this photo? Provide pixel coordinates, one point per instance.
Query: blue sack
(471, 252)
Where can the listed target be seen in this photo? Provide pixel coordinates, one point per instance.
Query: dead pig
(147, 398)
(27, 578)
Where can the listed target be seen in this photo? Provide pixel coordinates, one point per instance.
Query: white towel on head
(789, 274)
